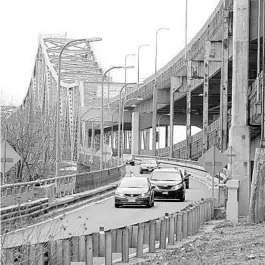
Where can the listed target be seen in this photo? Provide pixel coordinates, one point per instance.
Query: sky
(123, 25)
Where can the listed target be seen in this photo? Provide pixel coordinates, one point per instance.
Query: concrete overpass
(218, 88)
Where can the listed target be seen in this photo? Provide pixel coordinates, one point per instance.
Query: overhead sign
(107, 153)
(9, 156)
(213, 161)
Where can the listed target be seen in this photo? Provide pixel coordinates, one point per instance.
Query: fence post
(146, 233)
(89, 250)
(113, 238)
(125, 244)
(179, 226)
(185, 224)
(75, 246)
(152, 235)
(101, 242)
(167, 224)
(189, 222)
(158, 228)
(119, 240)
(66, 251)
(108, 248)
(163, 231)
(95, 240)
(140, 240)
(171, 230)
(134, 236)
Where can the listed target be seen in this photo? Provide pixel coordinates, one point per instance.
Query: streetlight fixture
(122, 142)
(119, 120)
(138, 62)
(159, 129)
(125, 70)
(102, 110)
(154, 95)
(58, 97)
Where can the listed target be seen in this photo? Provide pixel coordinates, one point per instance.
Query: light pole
(155, 95)
(186, 28)
(159, 129)
(119, 119)
(102, 111)
(125, 70)
(122, 142)
(58, 98)
(138, 62)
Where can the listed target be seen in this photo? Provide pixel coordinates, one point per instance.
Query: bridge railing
(18, 193)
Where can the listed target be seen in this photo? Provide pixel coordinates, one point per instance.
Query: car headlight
(145, 194)
(118, 194)
(177, 187)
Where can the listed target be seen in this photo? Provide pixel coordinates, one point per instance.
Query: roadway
(89, 218)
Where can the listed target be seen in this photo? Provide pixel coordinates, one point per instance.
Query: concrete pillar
(232, 202)
(147, 139)
(224, 82)
(239, 134)
(188, 110)
(135, 133)
(206, 96)
(154, 118)
(125, 140)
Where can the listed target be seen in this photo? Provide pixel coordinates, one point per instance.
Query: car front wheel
(117, 205)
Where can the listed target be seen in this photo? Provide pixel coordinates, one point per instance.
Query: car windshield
(134, 183)
(148, 161)
(166, 176)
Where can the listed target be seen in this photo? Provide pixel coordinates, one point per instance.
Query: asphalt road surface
(89, 218)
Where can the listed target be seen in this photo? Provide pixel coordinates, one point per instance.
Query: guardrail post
(163, 231)
(167, 224)
(66, 251)
(89, 250)
(152, 231)
(101, 242)
(179, 226)
(82, 248)
(140, 240)
(95, 240)
(146, 233)
(113, 238)
(125, 244)
(189, 222)
(119, 240)
(130, 236)
(134, 236)
(185, 224)
(108, 250)
(171, 230)
(158, 228)
(75, 246)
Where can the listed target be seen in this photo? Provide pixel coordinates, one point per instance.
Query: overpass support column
(239, 134)
(224, 82)
(154, 119)
(135, 133)
(206, 97)
(188, 110)
(175, 84)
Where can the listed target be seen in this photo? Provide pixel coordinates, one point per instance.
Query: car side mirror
(153, 186)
